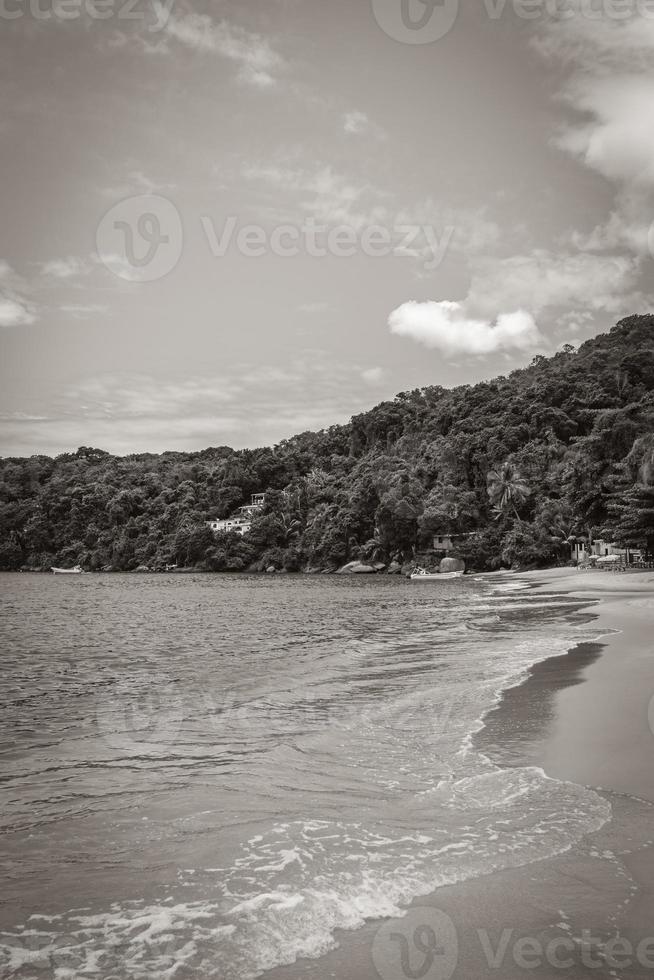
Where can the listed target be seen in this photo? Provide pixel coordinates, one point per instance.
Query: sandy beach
(582, 717)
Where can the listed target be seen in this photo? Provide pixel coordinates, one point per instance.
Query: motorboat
(422, 574)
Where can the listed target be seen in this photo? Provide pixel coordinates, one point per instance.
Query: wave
(395, 800)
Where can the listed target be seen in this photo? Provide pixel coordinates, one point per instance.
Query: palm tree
(507, 488)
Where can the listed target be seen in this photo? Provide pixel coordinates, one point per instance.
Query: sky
(226, 223)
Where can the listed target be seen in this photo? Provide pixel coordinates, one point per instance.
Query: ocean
(210, 775)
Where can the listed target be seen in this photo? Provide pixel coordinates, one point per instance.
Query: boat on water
(76, 570)
(422, 574)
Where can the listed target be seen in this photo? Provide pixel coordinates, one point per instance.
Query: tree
(507, 488)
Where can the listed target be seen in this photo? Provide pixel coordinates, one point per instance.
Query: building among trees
(241, 519)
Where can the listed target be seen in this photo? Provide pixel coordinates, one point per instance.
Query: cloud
(15, 309)
(81, 311)
(618, 141)
(373, 375)
(446, 326)
(258, 62)
(14, 313)
(125, 396)
(133, 412)
(357, 123)
(329, 197)
(544, 280)
(67, 268)
(137, 182)
(563, 286)
(610, 90)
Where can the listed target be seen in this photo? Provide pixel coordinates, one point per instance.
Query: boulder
(271, 568)
(394, 568)
(356, 568)
(452, 565)
(142, 568)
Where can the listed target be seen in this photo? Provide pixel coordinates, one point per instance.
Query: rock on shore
(359, 568)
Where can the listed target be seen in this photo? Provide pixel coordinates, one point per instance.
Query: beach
(475, 752)
(582, 717)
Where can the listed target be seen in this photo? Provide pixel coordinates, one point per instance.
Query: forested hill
(515, 468)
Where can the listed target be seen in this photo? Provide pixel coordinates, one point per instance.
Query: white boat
(77, 570)
(423, 574)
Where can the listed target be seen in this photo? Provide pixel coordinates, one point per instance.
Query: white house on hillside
(241, 520)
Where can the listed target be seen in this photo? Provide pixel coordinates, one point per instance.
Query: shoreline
(581, 717)
(603, 730)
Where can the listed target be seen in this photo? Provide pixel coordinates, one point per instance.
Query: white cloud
(14, 313)
(258, 62)
(329, 197)
(446, 326)
(357, 123)
(618, 142)
(66, 268)
(138, 413)
(373, 375)
(543, 280)
(15, 309)
(611, 90)
(124, 396)
(137, 182)
(80, 311)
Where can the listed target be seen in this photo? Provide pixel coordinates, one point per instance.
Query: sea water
(208, 775)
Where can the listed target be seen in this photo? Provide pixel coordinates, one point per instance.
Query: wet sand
(584, 717)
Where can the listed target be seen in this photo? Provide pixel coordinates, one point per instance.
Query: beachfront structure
(581, 550)
(442, 542)
(241, 520)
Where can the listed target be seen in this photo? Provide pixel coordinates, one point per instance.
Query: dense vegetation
(515, 468)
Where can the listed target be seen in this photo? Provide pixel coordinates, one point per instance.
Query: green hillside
(513, 467)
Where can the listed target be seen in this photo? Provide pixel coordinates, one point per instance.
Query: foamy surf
(365, 742)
